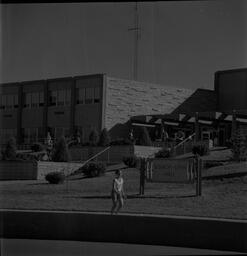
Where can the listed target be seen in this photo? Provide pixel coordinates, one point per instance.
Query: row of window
(33, 99)
(8, 101)
(56, 98)
(87, 95)
(6, 134)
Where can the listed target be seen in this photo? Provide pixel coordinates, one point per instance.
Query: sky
(181, 44)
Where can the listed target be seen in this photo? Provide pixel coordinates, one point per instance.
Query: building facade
(65, 106)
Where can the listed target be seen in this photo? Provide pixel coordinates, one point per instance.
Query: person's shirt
(118, 184)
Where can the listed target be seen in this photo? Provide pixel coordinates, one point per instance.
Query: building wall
(125, 98)
(231, 87)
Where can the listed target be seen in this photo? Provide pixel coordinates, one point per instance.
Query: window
(6, 134)
(33, 134)
(96, 95)
(35, 100)
(89, 95)
(16, 101)
(67, 97)
(80, 96)
(60, 97)
(8, 101)
(41, 99)
(53, 98)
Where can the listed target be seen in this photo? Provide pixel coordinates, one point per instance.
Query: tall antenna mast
(136, 29)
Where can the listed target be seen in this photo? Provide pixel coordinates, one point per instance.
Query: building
(65, 106)
(212, 115)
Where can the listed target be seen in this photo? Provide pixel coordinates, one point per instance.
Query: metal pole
(197, 135)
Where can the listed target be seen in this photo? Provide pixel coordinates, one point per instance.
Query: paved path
(23, 247)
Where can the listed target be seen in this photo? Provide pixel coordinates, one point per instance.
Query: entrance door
(222, 137)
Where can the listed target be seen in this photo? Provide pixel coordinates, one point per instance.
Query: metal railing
(97, 155)
(184, 146)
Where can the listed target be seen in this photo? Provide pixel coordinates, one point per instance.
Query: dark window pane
(96, 95)
(60, 97)
(67, 97)
(89, 95)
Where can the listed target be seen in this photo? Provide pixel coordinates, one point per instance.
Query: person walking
(117, 193)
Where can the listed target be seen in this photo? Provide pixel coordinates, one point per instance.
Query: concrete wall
(191, 232)
(18, 170)
(126, 98)
(115, 154)
(47, 167)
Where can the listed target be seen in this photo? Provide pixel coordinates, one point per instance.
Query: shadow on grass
(133, 196)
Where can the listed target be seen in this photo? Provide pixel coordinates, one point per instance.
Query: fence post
(198, 163)
(142, 175)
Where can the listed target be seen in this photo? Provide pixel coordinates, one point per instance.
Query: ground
(224, 198)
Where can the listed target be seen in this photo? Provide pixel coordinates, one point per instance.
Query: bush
(94, 138)
(239, 146)
(104, 139)
(200, 148)
(163, 153)
(130, 161)
(93, 169)
(37, 147)
(55, 177)
(144, 137)
(60, 153)
(10, 150)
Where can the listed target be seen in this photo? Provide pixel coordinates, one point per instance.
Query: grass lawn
(225, 198)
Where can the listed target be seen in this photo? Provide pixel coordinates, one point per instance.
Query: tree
(61, 152)
(144, 137)
(93, 137)
(104, 139)
(10, 150)
(239, 145)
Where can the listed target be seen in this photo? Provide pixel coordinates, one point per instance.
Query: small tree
(144, 137)
(239, 146)
(104, 139)
(60, 153)
(10, 150)
(93, 137)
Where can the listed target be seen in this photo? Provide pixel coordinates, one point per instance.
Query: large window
(88, 95)
(34, 134)
(6, 134)
(8, 101)
(33, 99)
(60, 97)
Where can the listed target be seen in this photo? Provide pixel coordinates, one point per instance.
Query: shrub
(93, 169)
(60, 152)
(144, 137)
(104, 139)
(239, 146)
(163, 153)
(37, 147)
(55, 177)
(10, 150)
(130, 161)
(93, 137)
(200, 149)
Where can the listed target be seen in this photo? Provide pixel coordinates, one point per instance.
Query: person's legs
(120, 203)
(114, 202)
